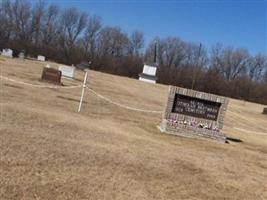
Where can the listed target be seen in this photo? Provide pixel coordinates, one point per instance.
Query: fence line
(120, 105)
(40, 86)
(79, 86)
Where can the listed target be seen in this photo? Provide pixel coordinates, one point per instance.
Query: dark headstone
(264, 111)
(15, 53)
(51, 75)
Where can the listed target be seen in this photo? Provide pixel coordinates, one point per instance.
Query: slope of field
(49, 151)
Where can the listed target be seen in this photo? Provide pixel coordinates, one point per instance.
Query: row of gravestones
(10, 53)
(48, 74)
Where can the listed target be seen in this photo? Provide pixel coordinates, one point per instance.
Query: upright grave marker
(41, 58)
(194, 114)
(51, 75)
(22, 55)
(7, 53)
(149, 74)
(264, 111)
(67, 71)
(149, 71)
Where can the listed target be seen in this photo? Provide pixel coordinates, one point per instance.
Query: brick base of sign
(191, 132)
(206, 121)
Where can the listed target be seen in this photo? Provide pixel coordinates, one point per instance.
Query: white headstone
(47, 66)
(7, 53)
(149, 70)
(149, 74)
(41, 58)
(67, 71)
(21, 55)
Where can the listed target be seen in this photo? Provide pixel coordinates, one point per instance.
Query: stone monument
(195, 114)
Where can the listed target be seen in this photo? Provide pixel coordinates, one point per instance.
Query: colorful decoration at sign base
(195, 114)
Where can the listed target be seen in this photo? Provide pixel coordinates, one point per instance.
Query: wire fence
(121, 105)
(40, 86)
(80, 86)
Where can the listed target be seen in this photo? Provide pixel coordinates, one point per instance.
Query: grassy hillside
(49, 151)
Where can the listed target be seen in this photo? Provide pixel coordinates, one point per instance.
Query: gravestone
(149, 74)
(67, 71)
(84, 65)
(7, 53)
(21, 55)
(195, 114)
(264, 111)
(41, 58)
(51, 75)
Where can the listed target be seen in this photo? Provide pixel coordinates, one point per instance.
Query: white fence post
(84, 85)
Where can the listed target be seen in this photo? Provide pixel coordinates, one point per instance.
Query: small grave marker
(51, 75)
(264, 111)
(21, 55)
(194, 114)
(41, 58)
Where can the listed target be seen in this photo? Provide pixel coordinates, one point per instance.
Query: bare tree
(112, 41)
(72, 23)
(170, 51)
(6, 22)
(256, 67)
(22, 18)
(229, 62)
(50, 28)
(38, 13)
(93, 28)
(195, 56)
(137, 42)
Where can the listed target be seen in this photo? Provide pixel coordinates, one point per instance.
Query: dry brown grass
(49, 151)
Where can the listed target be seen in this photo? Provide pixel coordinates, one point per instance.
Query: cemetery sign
(194, 114)
(196, 107)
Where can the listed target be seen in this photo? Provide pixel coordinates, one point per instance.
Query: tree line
(70, 36)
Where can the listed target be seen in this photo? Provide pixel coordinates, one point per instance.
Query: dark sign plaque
(51, 75)
(196, 107)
